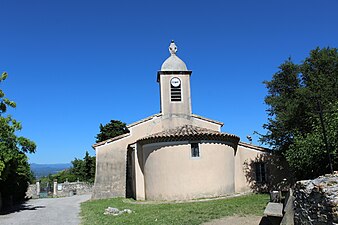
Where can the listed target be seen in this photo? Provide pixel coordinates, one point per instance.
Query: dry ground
(236, 220)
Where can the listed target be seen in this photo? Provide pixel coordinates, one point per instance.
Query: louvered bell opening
(176, 94)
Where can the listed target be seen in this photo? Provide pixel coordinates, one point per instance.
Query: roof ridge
(189, 132)
(144, 120)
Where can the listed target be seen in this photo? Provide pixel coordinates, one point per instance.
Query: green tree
(4, 102)
(89, 167)
(15, 171)
(82, 170)
(297, 95)
(64, 175)
(112, 129)
(307, 154)
(78, 169)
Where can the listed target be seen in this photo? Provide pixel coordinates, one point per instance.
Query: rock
(116, 211)
(127, 211)
(111, 211)
(316, 201)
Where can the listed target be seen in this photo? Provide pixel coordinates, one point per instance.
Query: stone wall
(72, 188)
(31, 191)
(61, 190)
(316, 201)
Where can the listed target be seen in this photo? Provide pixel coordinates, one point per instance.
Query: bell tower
(174, 80)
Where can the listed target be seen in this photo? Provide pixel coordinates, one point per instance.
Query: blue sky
(75, 64)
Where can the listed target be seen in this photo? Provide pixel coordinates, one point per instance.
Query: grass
(171, 213)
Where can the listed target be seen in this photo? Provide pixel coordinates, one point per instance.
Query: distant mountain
(41, 170)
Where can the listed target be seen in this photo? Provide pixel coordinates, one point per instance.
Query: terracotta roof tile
(188, 133)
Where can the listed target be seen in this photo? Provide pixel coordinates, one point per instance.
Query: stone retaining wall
(316, 201)
(72, 188)
(31, 191)
(61, 190)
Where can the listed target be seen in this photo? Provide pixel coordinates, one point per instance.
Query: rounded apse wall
(171, 173)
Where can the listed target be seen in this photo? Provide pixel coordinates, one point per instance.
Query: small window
(195, 151)
(260, 170)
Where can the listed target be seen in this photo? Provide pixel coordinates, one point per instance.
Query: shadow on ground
(264, 221)
(21, 207)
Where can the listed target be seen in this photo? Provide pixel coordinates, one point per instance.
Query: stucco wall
(110, 171)
(110, 177)
(170, 173)
(182, 107)
(202, 123)
(243, 167)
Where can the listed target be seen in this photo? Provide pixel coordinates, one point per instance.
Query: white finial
(172, 48)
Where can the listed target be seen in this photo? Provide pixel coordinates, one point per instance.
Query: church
(175, 154)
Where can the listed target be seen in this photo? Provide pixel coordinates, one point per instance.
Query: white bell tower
(174, 80)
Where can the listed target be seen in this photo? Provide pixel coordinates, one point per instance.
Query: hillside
(41, 170)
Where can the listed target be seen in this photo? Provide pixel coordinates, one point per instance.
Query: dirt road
(51, 211)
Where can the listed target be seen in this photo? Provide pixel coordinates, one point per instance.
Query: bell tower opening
(175, 90)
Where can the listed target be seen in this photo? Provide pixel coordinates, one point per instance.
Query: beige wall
(168, 107)
(110, 177)
(170, 173)
(208, 125)
(167, 172)
(243, 159)
(110, 164)
(216, 163)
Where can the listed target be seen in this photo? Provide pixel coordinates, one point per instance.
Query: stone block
(274, 209)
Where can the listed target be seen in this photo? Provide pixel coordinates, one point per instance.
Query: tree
(4, 102)
(15, 171)
(82, 170)
(301, 100)
(63, 176)
(112, 129)
(89, 167)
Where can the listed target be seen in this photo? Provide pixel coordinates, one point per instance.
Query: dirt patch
(236, 220)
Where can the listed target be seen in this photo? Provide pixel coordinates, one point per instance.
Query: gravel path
(51, 211)
(237, 220)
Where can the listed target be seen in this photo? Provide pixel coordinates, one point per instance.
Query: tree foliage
(82, 170)
(112, 129)
(307, 154)
(4, 102)
(15, 171)
(298, 95)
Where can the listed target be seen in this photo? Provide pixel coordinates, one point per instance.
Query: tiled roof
(145, 120)
(189, 133)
